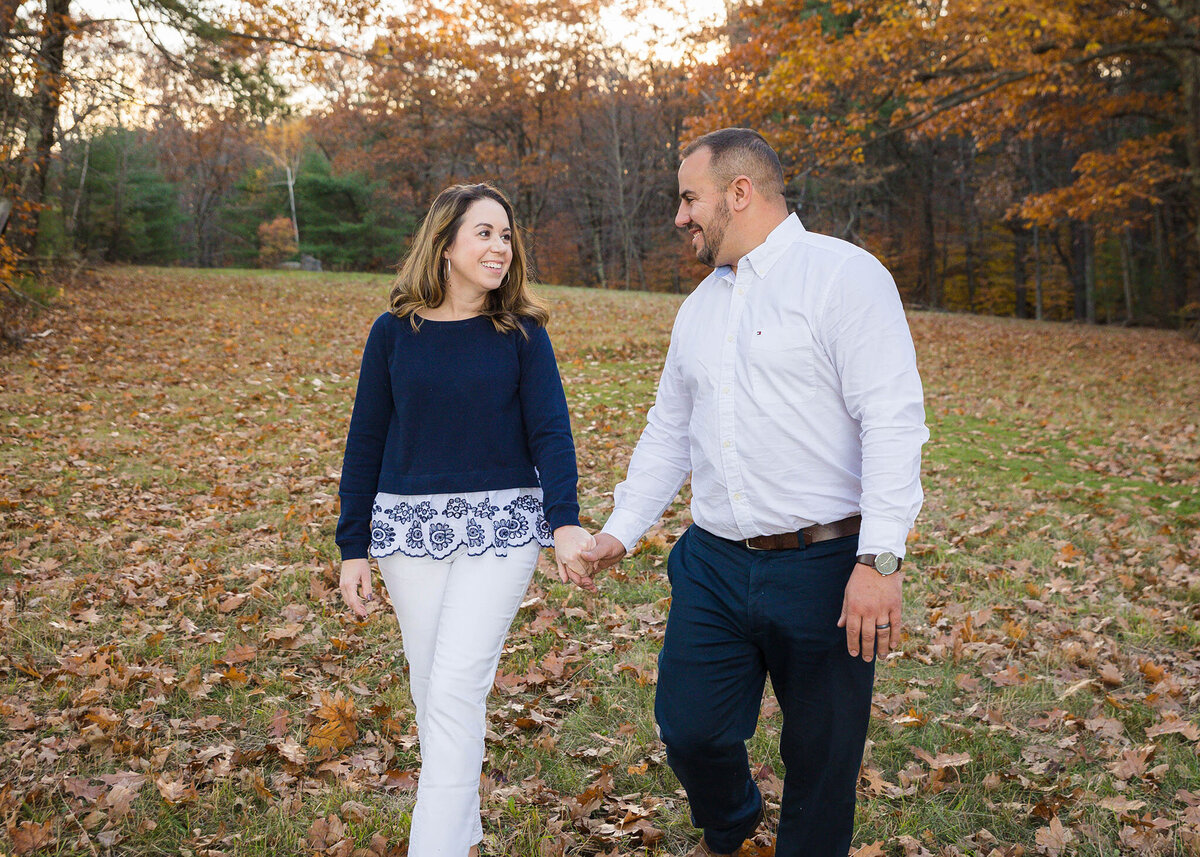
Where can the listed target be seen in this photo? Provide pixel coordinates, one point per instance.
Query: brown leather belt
(807, 536)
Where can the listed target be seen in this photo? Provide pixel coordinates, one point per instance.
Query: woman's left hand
(568, 542)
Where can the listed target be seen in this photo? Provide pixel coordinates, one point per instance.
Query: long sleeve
(548, 428)
(661, 461)
(868, 340)
(365, 441)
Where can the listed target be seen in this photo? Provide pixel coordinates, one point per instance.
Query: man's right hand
(606, 553)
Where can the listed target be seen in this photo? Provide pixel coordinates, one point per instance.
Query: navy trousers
(738, 615)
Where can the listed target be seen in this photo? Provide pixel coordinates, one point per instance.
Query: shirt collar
(763, 257)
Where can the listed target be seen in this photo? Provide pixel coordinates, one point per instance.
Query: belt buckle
(749, 546)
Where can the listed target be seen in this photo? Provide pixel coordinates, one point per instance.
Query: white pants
(454, 615)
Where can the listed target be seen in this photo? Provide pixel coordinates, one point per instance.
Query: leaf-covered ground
(177, 674)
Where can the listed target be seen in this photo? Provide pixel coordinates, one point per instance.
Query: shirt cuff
(354, 551)
(625, 527)
(878, 536)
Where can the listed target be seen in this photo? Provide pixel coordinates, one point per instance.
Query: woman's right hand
(356, 579)
(568, 542)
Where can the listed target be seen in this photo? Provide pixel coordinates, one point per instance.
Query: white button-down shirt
(790, 393)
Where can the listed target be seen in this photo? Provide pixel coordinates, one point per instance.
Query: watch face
(886, 563)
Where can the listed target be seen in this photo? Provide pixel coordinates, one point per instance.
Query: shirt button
(737, 496)
(741, 291)
(729, 339)
(727, 444)
(725, 389)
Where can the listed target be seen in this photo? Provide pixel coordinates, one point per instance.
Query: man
(790, 393)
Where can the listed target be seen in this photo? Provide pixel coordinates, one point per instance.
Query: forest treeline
(1037, 158)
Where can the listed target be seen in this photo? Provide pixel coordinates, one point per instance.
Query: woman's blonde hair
(421, 283)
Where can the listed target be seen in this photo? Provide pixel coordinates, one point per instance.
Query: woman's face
(481, 252)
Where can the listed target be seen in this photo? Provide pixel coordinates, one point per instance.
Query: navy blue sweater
(455, 407)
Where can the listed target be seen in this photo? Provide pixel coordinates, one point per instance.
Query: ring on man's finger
(883, 627)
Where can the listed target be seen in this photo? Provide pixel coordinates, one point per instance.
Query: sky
(625, 27)
(628, 29)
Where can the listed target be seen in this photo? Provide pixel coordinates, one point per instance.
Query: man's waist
(802, 537)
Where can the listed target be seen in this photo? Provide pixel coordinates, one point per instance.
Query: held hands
(356, 579)
(606, 553)
(569, 543)
(871, 612)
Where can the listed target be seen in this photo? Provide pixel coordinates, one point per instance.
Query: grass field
(178, 676)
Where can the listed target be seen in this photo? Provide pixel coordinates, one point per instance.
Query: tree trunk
(1089, 272)
(595, 225)
(1037, 274)
(927, 264)
(1162, 258)
(45, 101)
(291, 183)
(83, 171)
(970, 265)
(1020, 273)
(1077, 268)
(1125, 240)
(967, 225)
(1188, 63)
(118, 225)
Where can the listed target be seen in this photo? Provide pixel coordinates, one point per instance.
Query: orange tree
(1108, 91)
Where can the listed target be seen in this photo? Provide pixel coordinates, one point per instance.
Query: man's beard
(714, 234)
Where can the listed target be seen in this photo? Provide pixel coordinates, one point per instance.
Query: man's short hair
(737, 152)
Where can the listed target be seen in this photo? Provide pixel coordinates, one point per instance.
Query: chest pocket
(781, 365)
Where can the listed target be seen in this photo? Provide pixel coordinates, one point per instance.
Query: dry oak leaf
(17, 715)
(1120, 804)
(326, 832)
(941, 760)
(378, 847)
(83, 789)
(1009, 676)
(1152, 671)
(1111, 676)
(233, 602)
(279, 723)
(913, 848)
(334, 724)
(291, 750)
(875, 849)
(28, 836)
(1173, 724)
(239, 654)
(1132, 763)
(284, 634)
(1054, 839)
(355, 811)
(585, 804)
(124, 790)
(175, 791)
(396, 779)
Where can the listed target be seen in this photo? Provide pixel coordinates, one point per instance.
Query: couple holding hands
(791, 397)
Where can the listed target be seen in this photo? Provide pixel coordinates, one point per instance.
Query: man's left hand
(871, 612)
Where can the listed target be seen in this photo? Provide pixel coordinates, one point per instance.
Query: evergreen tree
(129, 212)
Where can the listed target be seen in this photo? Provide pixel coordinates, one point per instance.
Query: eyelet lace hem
(436, 525)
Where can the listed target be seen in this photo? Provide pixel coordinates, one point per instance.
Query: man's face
(703, 209)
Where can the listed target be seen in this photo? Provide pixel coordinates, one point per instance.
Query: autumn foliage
(275, 242)
(1032, 158)
(1013, 155)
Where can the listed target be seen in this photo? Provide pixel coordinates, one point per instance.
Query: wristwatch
(885, 563)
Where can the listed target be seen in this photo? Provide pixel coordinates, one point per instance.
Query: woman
(459, 466)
